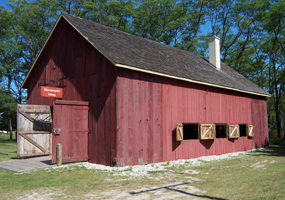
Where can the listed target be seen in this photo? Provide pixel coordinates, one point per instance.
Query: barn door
(70, 128)
(34, 123)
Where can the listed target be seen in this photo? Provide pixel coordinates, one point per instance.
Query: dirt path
(163, 183)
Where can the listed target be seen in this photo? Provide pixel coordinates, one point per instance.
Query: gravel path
(142, 170)
(173, 189)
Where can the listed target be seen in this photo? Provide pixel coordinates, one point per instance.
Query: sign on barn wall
(51, 92)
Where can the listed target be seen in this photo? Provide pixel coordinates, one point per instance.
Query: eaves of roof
(131, 52)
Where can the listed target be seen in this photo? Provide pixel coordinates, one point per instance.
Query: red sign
(51, 92)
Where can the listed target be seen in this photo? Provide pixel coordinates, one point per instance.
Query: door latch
(56, 131)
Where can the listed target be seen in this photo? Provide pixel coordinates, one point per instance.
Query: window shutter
(179, 132)
(207, 131)
(233, 131)
(249, 130)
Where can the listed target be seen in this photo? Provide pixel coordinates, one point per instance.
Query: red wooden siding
(187, 102)
(70, 62)
(148, 108)
(139, 118)
(259, 120)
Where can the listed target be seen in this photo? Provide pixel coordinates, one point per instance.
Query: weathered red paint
(149, 106)
(70, 129)
(139, 118)
(65, 55)
(188, 102)
(133, 115)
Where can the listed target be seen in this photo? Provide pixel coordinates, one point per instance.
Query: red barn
(128, 100)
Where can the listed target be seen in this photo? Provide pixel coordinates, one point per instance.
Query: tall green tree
(9, 59)
(176, 23)
(274, 25)
(251, 32)
(113, 13)
(159, 20)
(32, 22)
(24, 28)
(7, 111)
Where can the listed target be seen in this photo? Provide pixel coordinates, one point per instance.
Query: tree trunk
(9, 112)
(278, 122)
(277, 111)
(10, 124)
(277, 98)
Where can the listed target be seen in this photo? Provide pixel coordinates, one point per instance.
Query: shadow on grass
(171, 188)
(5, 141)
(8, 147)
(273, 150)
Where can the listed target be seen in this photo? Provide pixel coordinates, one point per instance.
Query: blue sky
(3, 2)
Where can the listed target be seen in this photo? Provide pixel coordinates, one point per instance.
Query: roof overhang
(130, 67)
(188, 80)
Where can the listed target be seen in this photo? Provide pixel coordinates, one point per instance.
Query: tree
(8, 106)
(251, 33)
(274, 25)
(32, 22)
(9, 55)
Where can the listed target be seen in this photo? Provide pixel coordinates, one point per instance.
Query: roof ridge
(151, 56)
(130, 34)
(130, 51)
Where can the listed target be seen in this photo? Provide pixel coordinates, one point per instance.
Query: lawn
(254, 175)
(8, 149)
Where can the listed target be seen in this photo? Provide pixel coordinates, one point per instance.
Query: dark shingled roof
(142, 54)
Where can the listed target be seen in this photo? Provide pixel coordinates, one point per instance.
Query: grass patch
(71, 181)
(256, 175)
(7, 146)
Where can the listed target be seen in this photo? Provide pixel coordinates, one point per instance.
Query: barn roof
(136, 53)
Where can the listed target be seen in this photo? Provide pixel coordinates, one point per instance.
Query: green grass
(256, 175)
(72, 181)
(7, 147)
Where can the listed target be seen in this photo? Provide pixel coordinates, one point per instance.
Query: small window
(233, 130)
(207, 131)
(249, 130)
(187, 131)
(242, 130)
(221, 130)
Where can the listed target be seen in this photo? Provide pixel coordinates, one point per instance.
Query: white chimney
(214, 51)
